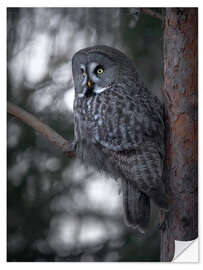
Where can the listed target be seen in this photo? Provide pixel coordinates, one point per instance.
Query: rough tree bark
(181, 100)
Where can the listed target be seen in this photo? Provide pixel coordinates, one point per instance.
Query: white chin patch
(81, 95)
(100, 90)
(96, 91)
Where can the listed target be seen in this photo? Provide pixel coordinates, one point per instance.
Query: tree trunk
(181, 100)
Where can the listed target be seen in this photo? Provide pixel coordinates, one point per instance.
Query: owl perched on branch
(119, 128)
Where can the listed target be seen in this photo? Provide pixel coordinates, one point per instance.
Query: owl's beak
(87, 88)
(89, 84)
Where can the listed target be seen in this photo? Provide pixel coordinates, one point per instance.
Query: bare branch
(42, 128)
(152, 13)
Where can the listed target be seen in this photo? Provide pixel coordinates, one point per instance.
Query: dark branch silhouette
(152, 13)
(40, 127)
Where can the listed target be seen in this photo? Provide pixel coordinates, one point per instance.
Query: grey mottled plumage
(119, 128)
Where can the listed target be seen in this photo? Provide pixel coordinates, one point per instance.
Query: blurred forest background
(59, 210)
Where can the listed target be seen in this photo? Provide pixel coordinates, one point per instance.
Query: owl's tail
(136, 206)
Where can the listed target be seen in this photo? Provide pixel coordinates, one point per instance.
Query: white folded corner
(186, 251)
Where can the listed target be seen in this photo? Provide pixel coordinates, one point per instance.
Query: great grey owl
(119, 128)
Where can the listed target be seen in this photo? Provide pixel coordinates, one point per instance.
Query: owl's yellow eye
(100, 70)
(83, 72)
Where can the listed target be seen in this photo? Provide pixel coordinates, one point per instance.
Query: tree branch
(40, 127)
(152, 13)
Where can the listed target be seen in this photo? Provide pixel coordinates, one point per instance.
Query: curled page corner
(186, 251)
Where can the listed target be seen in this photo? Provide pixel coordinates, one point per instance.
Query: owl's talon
(72, 147)
(162, 226)
(70, 150)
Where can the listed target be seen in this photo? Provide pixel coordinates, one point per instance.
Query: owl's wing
(136, 206)
(143, 167)
(127, 122)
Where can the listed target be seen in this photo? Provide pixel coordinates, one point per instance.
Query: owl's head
(95, 69)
